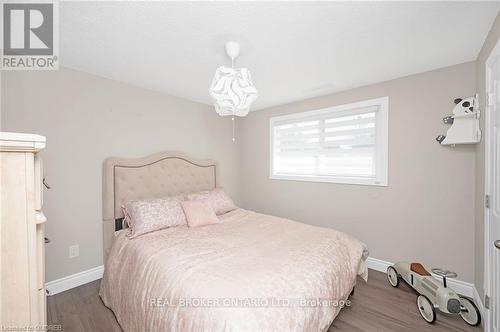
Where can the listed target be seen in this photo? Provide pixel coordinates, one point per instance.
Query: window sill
(324, 179)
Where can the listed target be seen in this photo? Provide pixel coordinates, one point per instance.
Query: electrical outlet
(74, 251)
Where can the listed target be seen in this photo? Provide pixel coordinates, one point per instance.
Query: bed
(251, 272)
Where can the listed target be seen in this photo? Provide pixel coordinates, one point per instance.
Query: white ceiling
(295, 50)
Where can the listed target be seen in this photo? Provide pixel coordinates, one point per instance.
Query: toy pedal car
(432, 293)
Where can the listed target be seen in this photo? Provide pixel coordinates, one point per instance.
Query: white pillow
(218, 200)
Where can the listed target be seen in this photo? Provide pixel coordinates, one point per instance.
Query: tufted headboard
(159, 175)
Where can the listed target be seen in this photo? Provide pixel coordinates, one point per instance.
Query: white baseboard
(74, 280)
(459, 286)
(377, 264)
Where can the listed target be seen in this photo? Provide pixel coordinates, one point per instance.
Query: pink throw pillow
(199, 213)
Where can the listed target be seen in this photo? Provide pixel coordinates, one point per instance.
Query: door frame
(487, 184)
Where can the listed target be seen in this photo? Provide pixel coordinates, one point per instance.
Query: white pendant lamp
(232, 89)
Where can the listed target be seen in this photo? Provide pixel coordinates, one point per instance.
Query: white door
(493, 186)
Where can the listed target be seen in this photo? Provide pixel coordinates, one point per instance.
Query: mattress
(251, 272)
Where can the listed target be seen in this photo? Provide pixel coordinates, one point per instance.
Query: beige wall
(488, 46)
(426, 213)
(86, 119)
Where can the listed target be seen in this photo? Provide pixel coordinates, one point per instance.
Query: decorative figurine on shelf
(464, 123)
(432, 294)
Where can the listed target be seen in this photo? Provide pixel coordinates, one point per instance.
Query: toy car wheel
(426, 309)
(392, 276)
(469, 313)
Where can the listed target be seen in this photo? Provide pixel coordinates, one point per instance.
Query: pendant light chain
(232, 120)
(232, 117)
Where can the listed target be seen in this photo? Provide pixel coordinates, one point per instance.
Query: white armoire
(22, 234)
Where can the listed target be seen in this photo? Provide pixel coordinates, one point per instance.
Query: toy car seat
(419, 269)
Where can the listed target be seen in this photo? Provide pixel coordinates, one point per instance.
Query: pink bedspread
(252, 272)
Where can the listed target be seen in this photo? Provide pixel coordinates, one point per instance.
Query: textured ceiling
(295, 50)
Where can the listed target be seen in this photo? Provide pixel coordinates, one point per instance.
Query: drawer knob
(45, 184)
(47, 240)
(40, 217)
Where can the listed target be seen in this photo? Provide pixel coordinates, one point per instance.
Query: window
(342, 144)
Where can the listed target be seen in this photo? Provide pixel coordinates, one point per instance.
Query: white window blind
(346, 144)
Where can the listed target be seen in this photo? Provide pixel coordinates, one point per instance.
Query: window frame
(381, 146)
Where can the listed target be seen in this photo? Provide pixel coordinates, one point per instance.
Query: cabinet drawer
(40, 256)
(38, 182)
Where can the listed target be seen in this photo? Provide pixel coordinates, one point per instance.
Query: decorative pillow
(217, 199)
(199, 213)
(146, 216)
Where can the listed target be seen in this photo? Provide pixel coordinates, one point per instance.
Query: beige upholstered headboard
(159, 175)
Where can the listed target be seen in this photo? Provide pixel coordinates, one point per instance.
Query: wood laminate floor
(376, 306)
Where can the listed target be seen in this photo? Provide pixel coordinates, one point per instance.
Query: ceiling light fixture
(232, 89)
